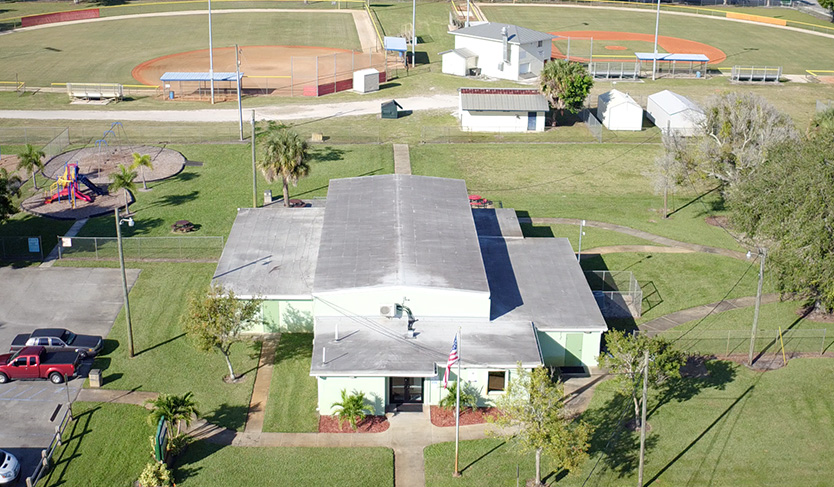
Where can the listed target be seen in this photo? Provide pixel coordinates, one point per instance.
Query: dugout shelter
(197, 85)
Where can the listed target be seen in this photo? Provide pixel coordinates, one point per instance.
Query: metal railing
(756, 74)
(46, 455)
(165, 249)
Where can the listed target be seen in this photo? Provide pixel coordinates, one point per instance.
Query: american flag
(453, 359)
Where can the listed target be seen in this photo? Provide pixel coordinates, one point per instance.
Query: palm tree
(468, 397)
(9, 188)
(565, 84)
(285, 156)
(143, 162)
(351, 408)
(30, 160)
(124, 179)
(175, 409)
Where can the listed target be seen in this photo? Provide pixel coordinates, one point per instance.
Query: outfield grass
(672, 282)
(166, 361)
(737, 427)
(293, 395)
(208, 465)
(102, 49)
(106, 444)
(744, 44)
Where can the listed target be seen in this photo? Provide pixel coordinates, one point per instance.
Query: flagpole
(457, 411)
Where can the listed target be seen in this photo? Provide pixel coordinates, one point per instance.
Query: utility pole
(643, 418)
(762, 257)
(124, 281)
(239, 107)
(413, 32)
(656, 29)
(254, 170)
(211, 56)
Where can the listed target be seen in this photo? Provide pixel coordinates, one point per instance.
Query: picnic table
(478, 201)
(182, 226)
(297, 204)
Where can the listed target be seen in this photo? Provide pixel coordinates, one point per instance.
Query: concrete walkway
(260, 390)
(402, 159)
(686, 315)
(639, 234)
(73, 231)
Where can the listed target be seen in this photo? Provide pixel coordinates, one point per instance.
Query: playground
(77, 180)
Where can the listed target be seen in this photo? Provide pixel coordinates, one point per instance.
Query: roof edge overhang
(574, 329)
(316, 293)
(294, 297)
(368, 373)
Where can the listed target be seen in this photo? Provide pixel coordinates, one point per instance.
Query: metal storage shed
(618, 111)
(674, 113)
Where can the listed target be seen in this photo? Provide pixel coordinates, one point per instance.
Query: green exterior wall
(475, 380)
(570, 348)
(375, 389)
(285, 315)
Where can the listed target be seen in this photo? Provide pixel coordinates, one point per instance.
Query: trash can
(267, 196)
(389, 109)
(95, 378)
(171, 95)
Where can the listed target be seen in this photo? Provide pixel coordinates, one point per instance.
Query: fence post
(95, 246)
(822, 345)
(40, 246)
(728, 344)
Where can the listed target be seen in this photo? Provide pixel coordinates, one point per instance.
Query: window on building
(497, 381)
(540, 44)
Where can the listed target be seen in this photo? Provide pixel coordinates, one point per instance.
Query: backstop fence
(164, 249)
(618, 293)
(725, 343)
(21, 248)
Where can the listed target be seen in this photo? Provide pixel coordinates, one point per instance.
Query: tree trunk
(538, 466)
(636, 410)
(286, 188)
(229, 364)
(35, 179)
(144, 184)
(127, 207)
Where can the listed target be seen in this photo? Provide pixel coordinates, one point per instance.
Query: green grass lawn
(207, 465)
(737, 427)
(165, 360)
(671, 282)
(106, 444)
(593, 237)
(744, 44)
(291, 407)
(69, 53)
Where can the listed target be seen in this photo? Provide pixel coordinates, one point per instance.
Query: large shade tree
(533, 418)
(565, 84)
(31, 161)
(124, 179)
(787, 206)
(9, 188)
(284, 154)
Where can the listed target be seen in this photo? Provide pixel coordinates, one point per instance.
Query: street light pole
(124, 281)
(239, 106)
(254, 173)
(211, 56)
(413, 32)
(762, 257)
(656, 29)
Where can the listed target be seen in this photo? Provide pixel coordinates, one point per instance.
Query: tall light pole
(656, 29)
(211, 56)
(643, 419)
(762, 257)
(119, 222)
(467, 14)
(254, 173)
(413, 32)
(239, 106)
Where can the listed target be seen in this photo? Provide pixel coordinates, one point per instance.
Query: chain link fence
(618, 293)
(724, 343)
(592, 122)
(184, 249)
(21, 248)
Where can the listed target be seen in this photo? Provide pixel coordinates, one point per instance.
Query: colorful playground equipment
(66, 186)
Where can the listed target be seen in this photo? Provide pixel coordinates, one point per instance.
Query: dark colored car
(59, 340)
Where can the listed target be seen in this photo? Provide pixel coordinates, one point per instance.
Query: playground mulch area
(666, 43)
(62, 210)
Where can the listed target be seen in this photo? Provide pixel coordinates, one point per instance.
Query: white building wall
(423, 302)
(490, 55)
(433, 390)
(330, 391)
(454, 64)
(498, 121)
(534, 55)
(621, 116)
(685, 123)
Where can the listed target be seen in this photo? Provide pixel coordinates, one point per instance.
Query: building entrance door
(406, 390)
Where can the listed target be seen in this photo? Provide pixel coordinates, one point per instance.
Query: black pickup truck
(59, 340)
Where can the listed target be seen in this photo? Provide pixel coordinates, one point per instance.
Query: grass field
(40, 57)
(293, 394)
(744, 44)
(737, 427)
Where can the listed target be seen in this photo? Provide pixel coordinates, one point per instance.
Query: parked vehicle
(59, 340)
(37, 363)
(9, 467)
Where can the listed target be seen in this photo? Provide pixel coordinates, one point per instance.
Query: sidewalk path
(402, 159)
(73, 231)
(686, 315)
(639, 234)
(286, 112)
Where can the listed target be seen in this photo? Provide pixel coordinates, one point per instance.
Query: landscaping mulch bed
(446, 417)
(371, 424)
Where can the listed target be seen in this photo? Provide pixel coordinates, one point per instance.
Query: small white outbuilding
(675, 114)
(502, 110)
(618, 111)
(366, 80)
(460, 62)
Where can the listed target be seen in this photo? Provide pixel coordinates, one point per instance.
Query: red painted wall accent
(30, 20)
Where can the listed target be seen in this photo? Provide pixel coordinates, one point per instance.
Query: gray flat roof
(504, 99)
(539, 279)
(399, 230)
(271, 252)
(462, 52)
(378, 347)
(492, 30)
(497, 222)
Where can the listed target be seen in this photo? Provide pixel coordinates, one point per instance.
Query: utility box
(95, 378)
(267, 196)
(366, 80)
(389, 109)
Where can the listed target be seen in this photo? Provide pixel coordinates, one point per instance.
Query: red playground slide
(64, 193)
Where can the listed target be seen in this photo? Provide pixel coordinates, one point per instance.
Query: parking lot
(84, 300)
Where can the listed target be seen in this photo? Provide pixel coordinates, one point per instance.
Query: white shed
(366, 80)
(618, 111)
(459, 61)
(674, 113)
(502, 110)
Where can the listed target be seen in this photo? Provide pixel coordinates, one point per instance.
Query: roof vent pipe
(506, 44)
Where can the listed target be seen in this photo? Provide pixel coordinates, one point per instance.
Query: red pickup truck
(37, 363)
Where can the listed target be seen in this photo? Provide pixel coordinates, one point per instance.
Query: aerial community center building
(390, 268)
(498, 50)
